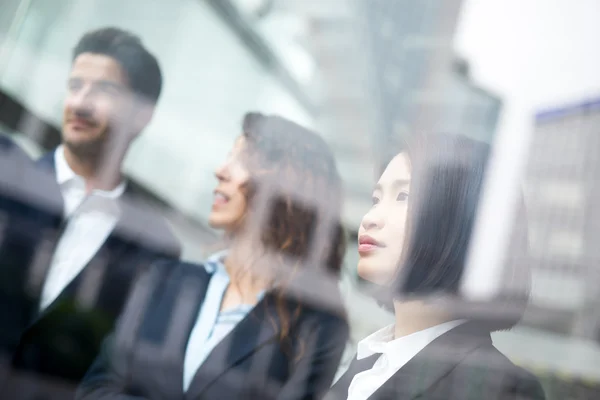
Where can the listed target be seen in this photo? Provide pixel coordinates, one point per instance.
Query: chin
(364, 270)
(215, 223)
(372, 273)
(219, 223)
(84, 146)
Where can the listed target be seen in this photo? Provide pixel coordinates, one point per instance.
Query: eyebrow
(395, 184)
(102, 83)
(111, 84)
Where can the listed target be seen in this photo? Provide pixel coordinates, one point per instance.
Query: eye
(374, 200)
(73, 85)
(402, 196)
(107, 89)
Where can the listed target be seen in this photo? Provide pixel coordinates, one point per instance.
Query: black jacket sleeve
(107, 377)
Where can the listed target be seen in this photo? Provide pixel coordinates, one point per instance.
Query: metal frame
(15, 25)
(265, 55)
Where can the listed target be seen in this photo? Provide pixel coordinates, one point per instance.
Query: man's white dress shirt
(90, 220)
(395, 353)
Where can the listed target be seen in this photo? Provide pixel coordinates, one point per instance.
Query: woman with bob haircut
(413, 246)
(262, 320)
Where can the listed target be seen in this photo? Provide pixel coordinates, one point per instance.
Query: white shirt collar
(214, 262)
(383, 342)
(64, 175)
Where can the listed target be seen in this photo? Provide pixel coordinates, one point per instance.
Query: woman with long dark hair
(413, 246)
(262, 320)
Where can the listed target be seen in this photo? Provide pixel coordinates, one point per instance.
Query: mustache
(83, 115)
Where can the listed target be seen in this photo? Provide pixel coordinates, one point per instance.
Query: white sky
(534, 53)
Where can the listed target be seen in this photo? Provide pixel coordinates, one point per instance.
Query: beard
(104, 152)
(89, 149)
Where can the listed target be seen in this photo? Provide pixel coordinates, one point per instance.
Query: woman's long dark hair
(447, 177)
(294, 199)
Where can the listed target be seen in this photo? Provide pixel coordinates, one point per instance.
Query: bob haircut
(447, 176)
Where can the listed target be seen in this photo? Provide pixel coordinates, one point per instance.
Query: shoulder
(26, 183)
(317, 296)
(527, 385)
(6, 143)
(46, 161)
(168, 279)
(500, 375)
(176, 270)
(147, 223)
(329, 318)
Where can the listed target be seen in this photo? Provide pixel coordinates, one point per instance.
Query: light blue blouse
(212, 325)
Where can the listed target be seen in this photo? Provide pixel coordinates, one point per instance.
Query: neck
(246, 267)
(100, 173)
(414, 316)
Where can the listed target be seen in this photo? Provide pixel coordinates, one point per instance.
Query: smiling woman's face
(229, 204)
(382, 231)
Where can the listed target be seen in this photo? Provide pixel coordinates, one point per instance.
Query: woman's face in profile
(229, 201)
(381, 233)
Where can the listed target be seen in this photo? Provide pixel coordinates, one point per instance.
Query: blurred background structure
(564, 219)
(365, 73)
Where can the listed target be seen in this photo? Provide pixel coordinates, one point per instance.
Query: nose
(222, 173)
(80, 102)
(373, 219)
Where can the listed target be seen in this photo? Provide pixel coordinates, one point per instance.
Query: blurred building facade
(411, 50)
(559, 336)
(561, 187)
(471, 110)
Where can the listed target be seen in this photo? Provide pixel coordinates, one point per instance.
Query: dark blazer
(462, 364)
(144, 358)
(30, 217)
(63, 340)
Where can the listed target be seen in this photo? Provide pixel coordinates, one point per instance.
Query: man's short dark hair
(140, 66)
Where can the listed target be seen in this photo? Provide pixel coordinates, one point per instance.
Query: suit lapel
(434, 362)
(259, 327)
(164, 332)
(46, 162)
(86, 286)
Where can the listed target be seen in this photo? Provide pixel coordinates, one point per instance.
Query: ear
(142, 115)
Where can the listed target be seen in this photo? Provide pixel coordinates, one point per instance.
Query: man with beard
(109, 235)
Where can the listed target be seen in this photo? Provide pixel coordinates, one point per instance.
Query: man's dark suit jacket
(144, 358)
(62, 341)
(30, 218)
(461, 364)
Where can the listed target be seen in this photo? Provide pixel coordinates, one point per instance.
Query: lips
(220, 198)
(78, 123)
(367, 244)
